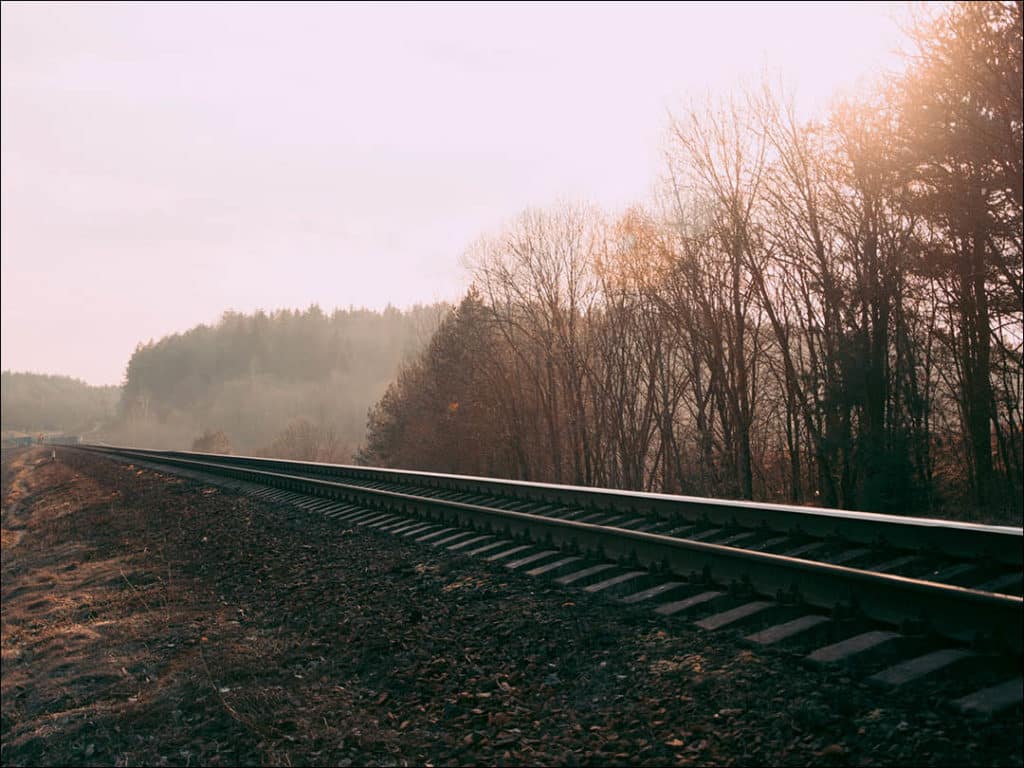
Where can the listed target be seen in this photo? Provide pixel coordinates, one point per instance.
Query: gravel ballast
(152, 620)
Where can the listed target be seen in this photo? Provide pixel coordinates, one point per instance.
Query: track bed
(203, 627)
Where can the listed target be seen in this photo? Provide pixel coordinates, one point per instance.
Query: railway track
(897, 599)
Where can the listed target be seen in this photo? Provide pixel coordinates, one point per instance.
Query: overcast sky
(164, 163)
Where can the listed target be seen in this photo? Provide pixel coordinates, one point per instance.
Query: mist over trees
(212, 441)
(34, 402)
(249, 382)
(819, 312)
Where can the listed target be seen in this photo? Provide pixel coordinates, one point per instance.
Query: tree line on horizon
(36, 402)
(289, 383)
(825, 311)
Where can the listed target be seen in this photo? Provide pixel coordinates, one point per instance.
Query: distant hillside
(251, 376)
(33, 402)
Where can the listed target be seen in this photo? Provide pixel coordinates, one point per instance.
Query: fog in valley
(755, 252)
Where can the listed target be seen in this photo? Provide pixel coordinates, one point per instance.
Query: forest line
(824, 312)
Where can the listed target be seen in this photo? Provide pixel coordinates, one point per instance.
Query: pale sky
(164, 163)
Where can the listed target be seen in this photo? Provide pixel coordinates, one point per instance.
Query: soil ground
(152, 620)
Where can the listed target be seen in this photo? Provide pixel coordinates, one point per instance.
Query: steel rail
(988, 543)
(965, 615)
